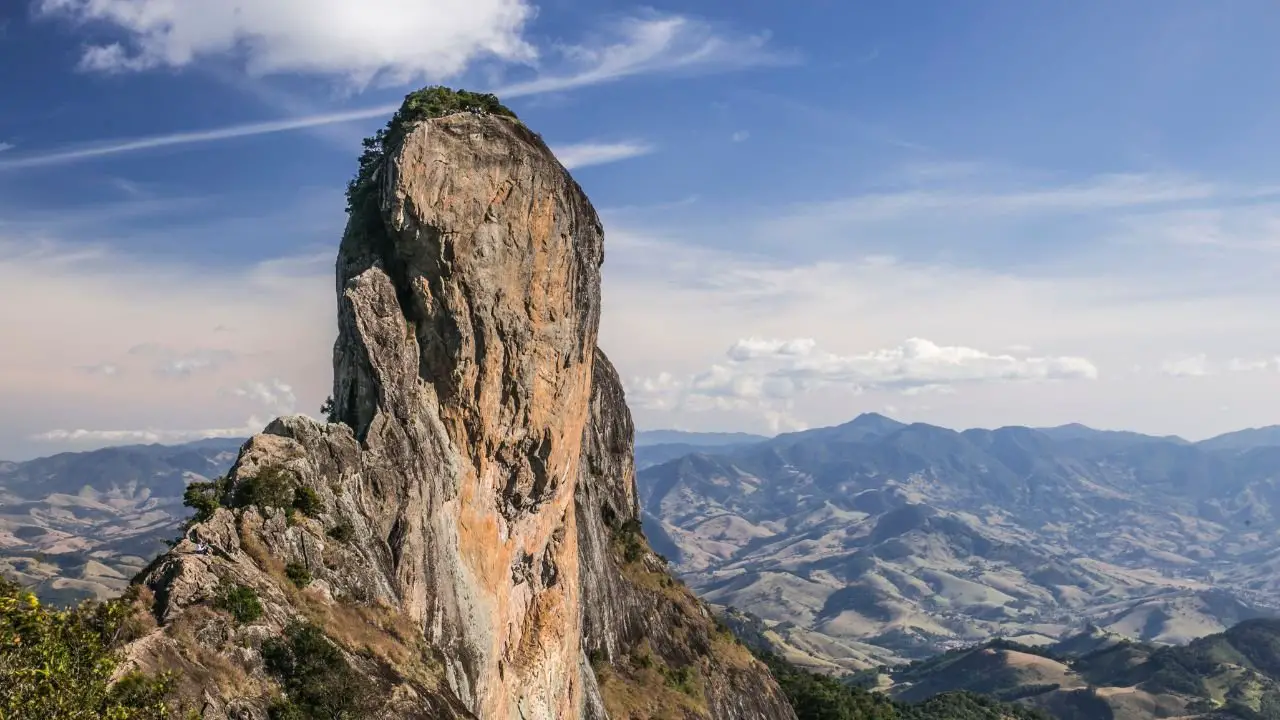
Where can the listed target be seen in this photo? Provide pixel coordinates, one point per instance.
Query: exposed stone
(481, 470)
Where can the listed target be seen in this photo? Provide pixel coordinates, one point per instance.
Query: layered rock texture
(465, 531)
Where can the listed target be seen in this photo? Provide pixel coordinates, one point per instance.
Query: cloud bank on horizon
(861, 236)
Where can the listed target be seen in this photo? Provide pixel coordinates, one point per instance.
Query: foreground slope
(464, 532)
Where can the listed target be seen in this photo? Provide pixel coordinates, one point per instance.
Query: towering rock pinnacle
(463, 364)
(471, 507)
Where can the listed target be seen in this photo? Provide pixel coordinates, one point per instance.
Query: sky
(972, 214)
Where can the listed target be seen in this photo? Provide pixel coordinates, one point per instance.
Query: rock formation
(465, 530)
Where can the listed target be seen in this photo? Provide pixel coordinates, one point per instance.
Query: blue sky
(969, 213)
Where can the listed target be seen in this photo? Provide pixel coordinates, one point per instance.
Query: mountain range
(869, 547)
(79, 525)
(878, 541)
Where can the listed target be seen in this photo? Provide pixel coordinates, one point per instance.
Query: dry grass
(377, 632)
(639, 690)
(200, 667)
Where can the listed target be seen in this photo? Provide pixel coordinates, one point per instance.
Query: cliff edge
(462, 539)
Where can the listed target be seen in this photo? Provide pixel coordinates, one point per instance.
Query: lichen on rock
(452, 545)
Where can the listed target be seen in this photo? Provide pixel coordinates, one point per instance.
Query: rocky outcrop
(465, 532)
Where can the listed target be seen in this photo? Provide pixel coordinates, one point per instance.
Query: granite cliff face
(466, 530)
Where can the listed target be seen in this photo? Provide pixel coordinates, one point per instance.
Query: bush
(307, 501)
(317, 680)
(631, 538)
(271, 487)
(343, 532)
(242, 602)
(298, 574)
(681, 678)
(204, 498)
(57, 663)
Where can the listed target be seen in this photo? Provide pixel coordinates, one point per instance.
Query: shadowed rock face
(631, 605)
(480, 472)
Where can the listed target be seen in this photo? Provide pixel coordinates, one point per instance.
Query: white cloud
(168, 362)
(740, 136)
(580, 155)
(5, 146)
(104, 369)
(150, 435)
(1095, 194)
(667, 44)
(673, 307)
(116, 147)
(396, 40)
(274, 395)
(1200, 366)
(652, 45)
(761, 373)
(1253, 364)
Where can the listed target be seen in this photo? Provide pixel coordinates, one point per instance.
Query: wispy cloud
(5, 146)
(103, 369)
(116, 147)
(148, 435)
(1189, 366)
(273, 395)
(768, 374)
(655, 45)
(167, 362)
(581, 155)
(1201, 365)
(632, 47)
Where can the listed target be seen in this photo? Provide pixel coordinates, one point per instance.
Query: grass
(643, 686)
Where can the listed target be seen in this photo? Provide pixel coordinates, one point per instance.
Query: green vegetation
(271, 487)
(343, 532)
(821, 697)
(242, 602)
(57, 663)
(683, 678)
(430, 102)
(317, 679)
(631, 538)
(298, 574)
(307, 501)
(204, 498)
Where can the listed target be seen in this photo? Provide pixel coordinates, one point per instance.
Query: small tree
(271, 487)
(316, 677)
(204, 498)
(241, 601)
